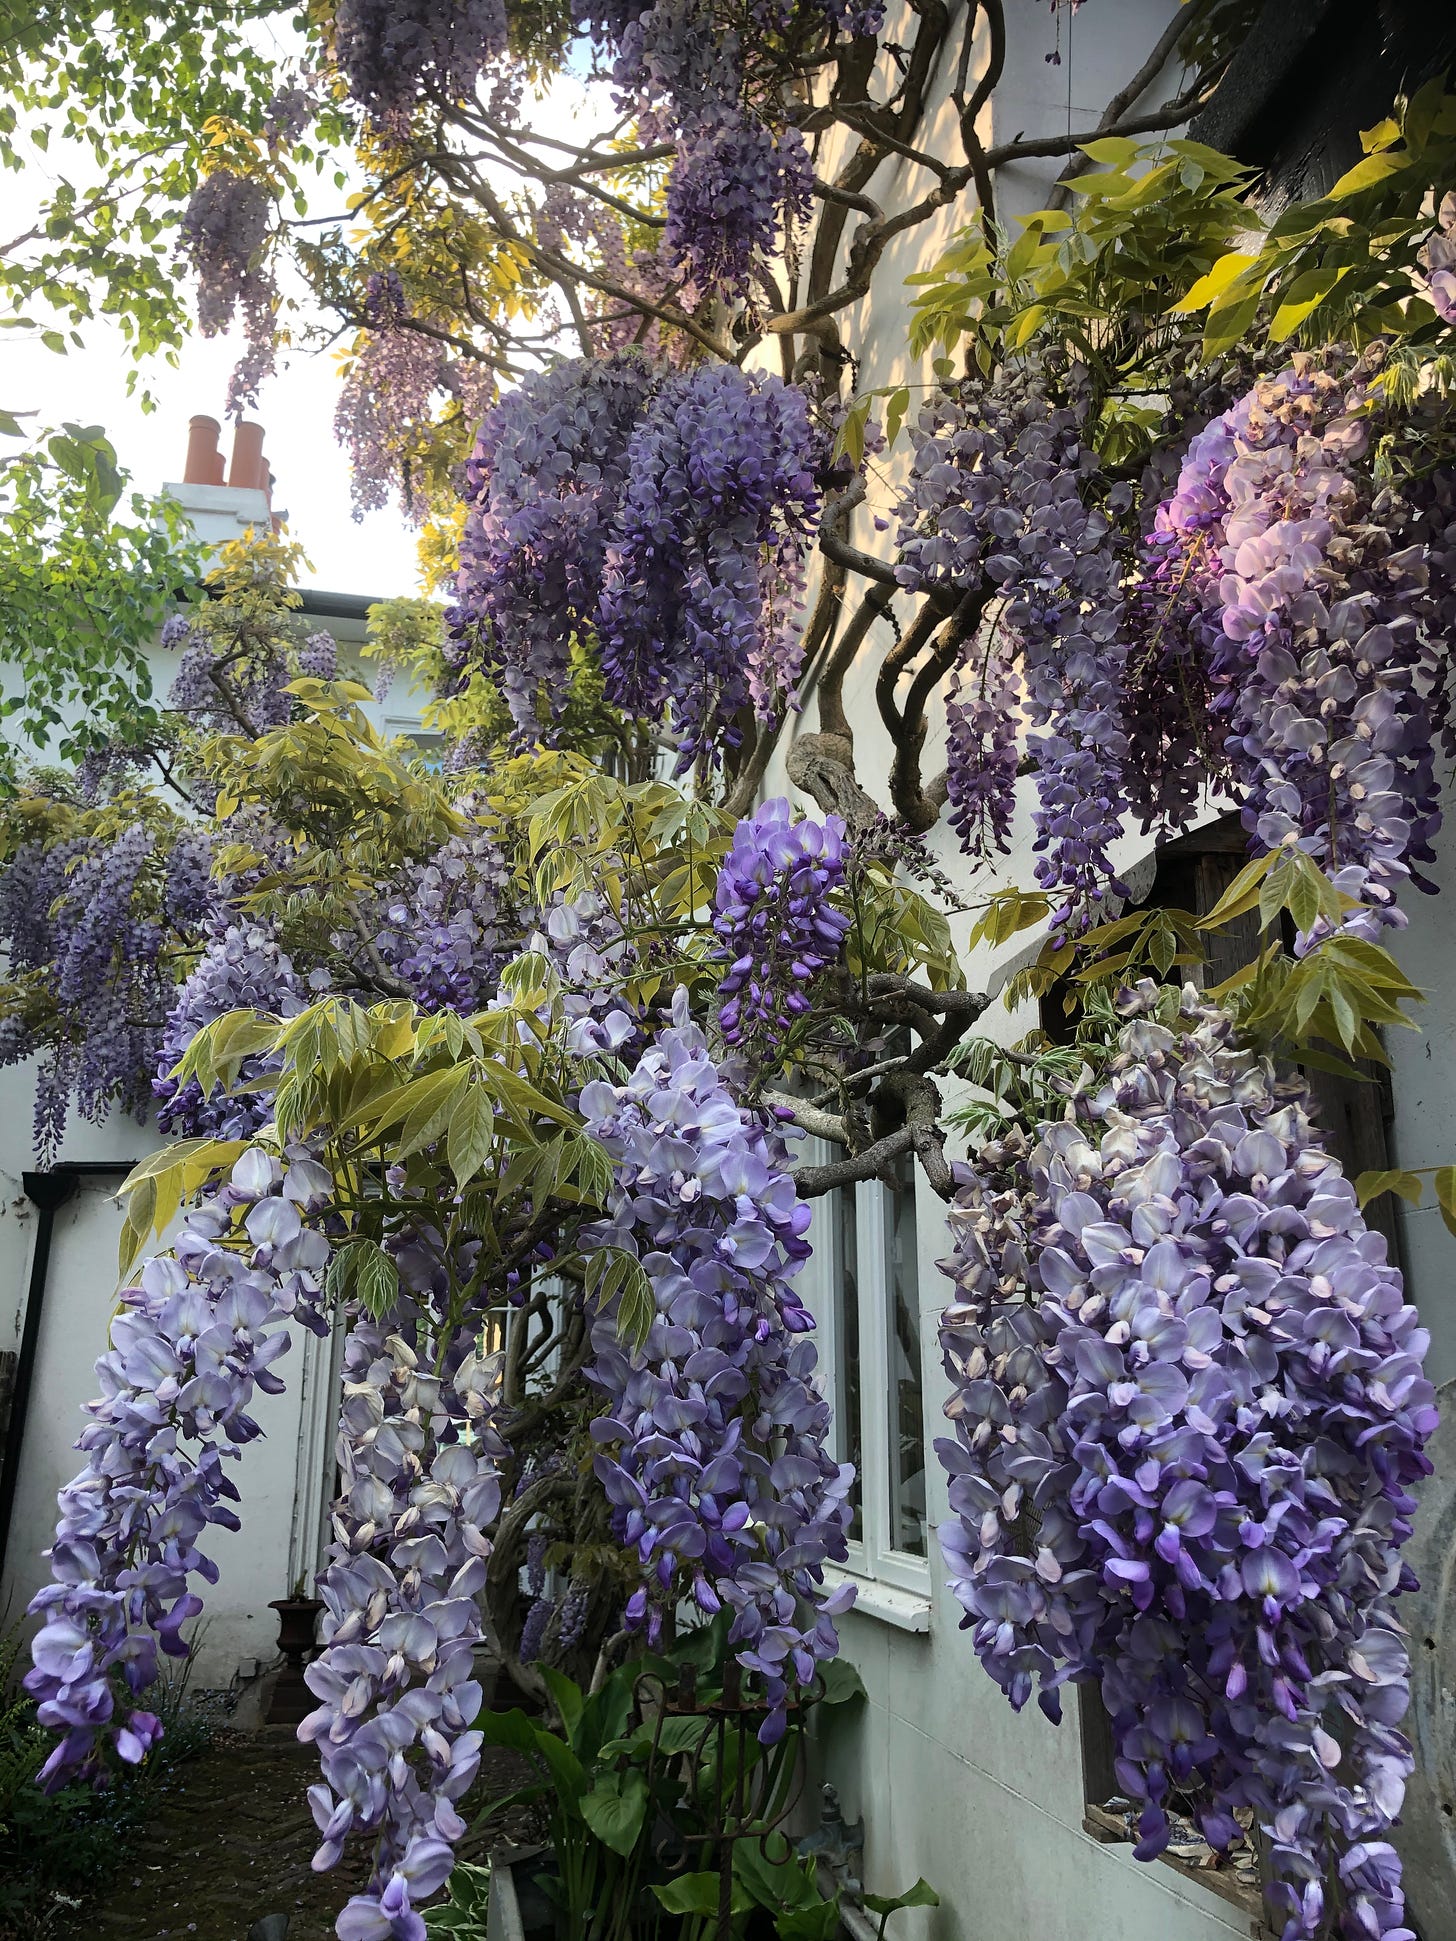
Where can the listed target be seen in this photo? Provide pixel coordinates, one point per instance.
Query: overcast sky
(375, 555)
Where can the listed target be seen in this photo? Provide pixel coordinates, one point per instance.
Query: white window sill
(905, 1610)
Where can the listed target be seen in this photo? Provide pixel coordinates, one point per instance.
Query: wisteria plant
(500, 1070)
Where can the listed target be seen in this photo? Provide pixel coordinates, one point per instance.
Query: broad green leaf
(616, 1808)
(1366, 174)
(567, 1696)
(1214, 282)
(1370, 1186)
(1444, 1181)
(811, 1923)
(1304, 296)
(922, 1894)
(839, 1682)
(698, 1894)
(468, 1134)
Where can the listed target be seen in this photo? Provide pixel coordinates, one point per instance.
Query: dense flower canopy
(1189, 1408)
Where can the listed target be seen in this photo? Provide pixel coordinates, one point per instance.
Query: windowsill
(905, 1610)
(1109, 1829)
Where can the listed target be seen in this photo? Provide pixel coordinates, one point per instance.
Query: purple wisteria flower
(194, 1337)
(997, 507)
(1307, 619)
(713, 1444)
(1189, 1409)
(242, 968)
(419, 1471)
(776, 926)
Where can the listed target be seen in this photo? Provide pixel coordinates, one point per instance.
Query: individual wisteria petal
(194, 1337)
(714, 1440)
(1189, 1408)
(776, 926)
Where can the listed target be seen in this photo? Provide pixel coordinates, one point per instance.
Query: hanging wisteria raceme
(449, 925)
(88, 925)
(720, 492)
(713, 1443)
(1306, 609)
(419, 1470)
(1440, 254)
(542, 490)
(776, 926)
(996, 507)
(669, 515)
(242, 968)
(390, 52)
(1189, 1411)
(193, 1339)
(385, 404)
(230, 689)
(226, 238)
(734, 187)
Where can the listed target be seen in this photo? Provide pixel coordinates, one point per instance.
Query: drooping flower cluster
(385, 408)
(390, 52)
(717, 514)
(734, 186)
(543, 487)
(419, 1486)
(86, 924)
(1189, 1410)
(225, 236)
(448, 927)
(713, 1442)
(192, 1341)
(776, 927)
(1303, 607)
(996, 507)
(667, 515)
(1440, 254)
(242, 967)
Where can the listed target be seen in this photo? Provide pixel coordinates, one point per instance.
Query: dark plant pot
(291, 1700)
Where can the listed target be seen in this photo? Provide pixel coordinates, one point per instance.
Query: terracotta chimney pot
(248, 467)
(204, 461)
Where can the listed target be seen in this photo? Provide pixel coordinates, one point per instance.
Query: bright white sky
(375, 555)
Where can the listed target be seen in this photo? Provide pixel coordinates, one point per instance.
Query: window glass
(907, 1411)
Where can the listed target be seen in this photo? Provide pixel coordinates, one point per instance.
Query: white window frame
(871, 1558)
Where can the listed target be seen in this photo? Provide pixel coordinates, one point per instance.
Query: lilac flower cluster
(242, 967)
(1189, 1409)
(734, 187)
(226, 236)
(542, 490)
(776, 927)
(712, 1447)
(390, 52)
(85, 923)
(191, 1343)
(448, 926)
(1306, 614)
(670, 516)
(419, 1469)
(719, 505)
(996, 506)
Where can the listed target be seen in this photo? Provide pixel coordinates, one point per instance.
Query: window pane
(845, 1271)
(907, 1413)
